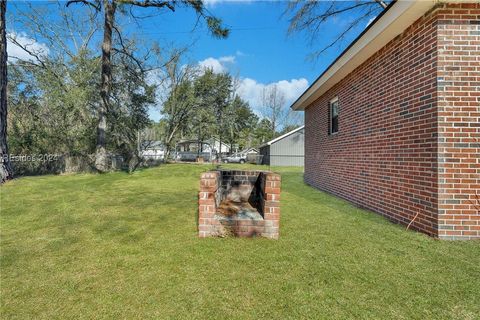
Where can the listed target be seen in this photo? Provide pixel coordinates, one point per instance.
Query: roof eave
(398, 16)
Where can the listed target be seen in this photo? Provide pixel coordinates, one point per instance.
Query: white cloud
(213, 3)
(214, 64)
(15, 52)
(210, 3)
(219, 65)
(227, 59)
(239, 53)
(250, 90)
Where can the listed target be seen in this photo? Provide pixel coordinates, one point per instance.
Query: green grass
(126, 246)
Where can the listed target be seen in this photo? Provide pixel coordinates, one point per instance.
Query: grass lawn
(126, 246)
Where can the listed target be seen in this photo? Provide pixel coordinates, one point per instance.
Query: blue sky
(258, 50)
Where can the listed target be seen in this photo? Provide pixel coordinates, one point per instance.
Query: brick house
(393, 124)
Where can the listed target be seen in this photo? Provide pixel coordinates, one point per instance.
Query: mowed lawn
(119, 246)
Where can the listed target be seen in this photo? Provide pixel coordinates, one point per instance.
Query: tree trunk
(274, 123)
(220, 136)
(101, 150)
(6, 172)
(168, 142)
(200, 145)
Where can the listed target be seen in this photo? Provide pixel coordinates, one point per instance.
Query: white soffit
(393, 22)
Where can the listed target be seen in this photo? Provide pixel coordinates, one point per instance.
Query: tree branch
(40, 61)
(85, 2)
(148, 3)
(125, 52)
(340, 36)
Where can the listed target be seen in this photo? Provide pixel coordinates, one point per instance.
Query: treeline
(201, 104)
(73, 99)
(54, 102)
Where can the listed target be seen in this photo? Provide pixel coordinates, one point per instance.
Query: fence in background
(61, 164)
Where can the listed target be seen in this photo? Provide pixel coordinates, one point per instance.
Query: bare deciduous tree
(310, 17)
(109, 8)
(6, 172)
(180, 103)
(273, 101)
(65, 78)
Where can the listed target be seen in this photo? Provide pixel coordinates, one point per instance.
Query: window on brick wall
(333, 116)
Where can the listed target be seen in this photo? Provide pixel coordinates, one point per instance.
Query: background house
(215, 144)
(190, 150)
(286, 150)
(153, 150)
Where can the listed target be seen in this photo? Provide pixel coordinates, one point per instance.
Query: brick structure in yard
(393, 125)
(239, 203)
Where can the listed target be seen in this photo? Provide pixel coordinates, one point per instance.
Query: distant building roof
(150, 144)
(282, 137)
(192, 141)
(248, 149)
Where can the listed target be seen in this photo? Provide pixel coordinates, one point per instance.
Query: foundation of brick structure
(239, 203)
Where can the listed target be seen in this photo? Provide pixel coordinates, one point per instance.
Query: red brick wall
(405, 144)
(459, 121)
(384, 156)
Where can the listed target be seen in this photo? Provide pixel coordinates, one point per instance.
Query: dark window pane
(333, 117)
(335, 124)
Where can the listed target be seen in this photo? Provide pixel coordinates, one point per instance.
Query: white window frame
(330, 118)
